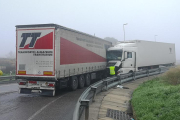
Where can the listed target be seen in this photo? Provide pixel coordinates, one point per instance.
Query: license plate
(36, 91)
(35, 87)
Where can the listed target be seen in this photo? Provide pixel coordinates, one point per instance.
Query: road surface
(4, 88)
(15, 106)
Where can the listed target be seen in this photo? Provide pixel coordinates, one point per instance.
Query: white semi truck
(50, 57)
(135, 55)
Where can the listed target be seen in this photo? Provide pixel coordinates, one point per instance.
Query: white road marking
(39, 111)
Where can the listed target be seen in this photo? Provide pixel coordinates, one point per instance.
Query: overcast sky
(104, 18)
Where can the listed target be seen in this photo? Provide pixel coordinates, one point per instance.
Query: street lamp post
(155, 37)
(124, 30)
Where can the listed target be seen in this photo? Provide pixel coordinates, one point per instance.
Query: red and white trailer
(50, 56)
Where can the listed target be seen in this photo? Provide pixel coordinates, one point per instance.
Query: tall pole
(124, 30)
(155, 37)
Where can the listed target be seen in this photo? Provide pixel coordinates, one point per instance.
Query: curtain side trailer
(50, 57)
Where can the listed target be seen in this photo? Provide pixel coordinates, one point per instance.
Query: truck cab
(123, 57)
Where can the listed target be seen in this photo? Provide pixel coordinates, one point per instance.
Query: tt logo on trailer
(33, 40)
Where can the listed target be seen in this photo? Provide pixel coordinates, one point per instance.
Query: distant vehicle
(130, 56)
(51, 57)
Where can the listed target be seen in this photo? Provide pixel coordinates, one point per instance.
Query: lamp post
(155, 37)
(124, 30)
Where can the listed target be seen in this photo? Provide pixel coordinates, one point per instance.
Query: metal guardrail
(7, 79)
(89, 94)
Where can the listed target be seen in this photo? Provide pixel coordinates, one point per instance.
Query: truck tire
(131, 73)
(81, 81)
(87, 80)
(105, 74)
(74, 83)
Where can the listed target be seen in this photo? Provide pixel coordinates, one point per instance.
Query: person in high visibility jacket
(112, 70)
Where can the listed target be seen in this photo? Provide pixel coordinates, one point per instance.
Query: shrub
(1, 73)
(172, 76)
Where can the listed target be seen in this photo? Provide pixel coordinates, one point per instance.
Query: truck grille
(111, 64)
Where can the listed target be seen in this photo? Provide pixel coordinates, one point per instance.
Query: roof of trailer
(36, 25)
(56, 26)
(139, 41)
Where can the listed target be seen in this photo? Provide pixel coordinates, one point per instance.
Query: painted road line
(40, 110)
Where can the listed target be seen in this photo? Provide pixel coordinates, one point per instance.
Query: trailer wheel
(74, 83)
(81, 81)
(87, 80)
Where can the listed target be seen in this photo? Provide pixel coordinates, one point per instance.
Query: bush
(172, 76)
(1, 73)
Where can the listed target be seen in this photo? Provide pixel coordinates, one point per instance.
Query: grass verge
(7, 74)
(158, 99)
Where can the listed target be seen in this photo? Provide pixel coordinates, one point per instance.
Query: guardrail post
(85, 103)
(106, 84)
(148, 74)
(119, 79)
(134, 75)
(94, 90)
(10, 75)
(159, 70)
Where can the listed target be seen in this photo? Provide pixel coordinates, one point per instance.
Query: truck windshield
(114, 55)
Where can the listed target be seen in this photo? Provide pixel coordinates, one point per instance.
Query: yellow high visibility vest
(112, 70)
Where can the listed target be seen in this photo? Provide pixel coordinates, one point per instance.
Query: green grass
(157, 100)
(7, 74)
(4, 80)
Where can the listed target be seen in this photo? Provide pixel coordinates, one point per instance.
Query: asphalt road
(15, 106)
(4, 88)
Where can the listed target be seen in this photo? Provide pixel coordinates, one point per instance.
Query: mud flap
(41, 92)
(48, 92)
(24, 91)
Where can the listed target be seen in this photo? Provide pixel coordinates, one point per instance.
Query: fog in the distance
(104, 18)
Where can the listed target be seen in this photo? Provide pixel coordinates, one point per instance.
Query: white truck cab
(122, 56)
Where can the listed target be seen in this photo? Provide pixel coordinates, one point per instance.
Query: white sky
(105, 18)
